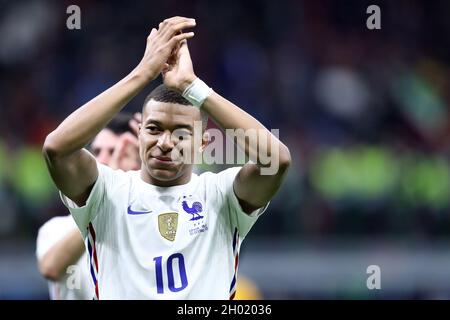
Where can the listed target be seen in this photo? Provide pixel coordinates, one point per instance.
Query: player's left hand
(178, 72)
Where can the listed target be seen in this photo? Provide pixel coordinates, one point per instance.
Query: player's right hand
(162, 42)
(135, 122)
(126, 153)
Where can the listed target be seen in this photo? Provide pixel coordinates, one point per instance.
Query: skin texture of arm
(72, 168)
(251, 187)
(66, 252)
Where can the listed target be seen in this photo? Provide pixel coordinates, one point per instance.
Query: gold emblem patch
(167, 224)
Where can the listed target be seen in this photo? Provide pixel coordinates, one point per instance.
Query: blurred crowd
(364, 112)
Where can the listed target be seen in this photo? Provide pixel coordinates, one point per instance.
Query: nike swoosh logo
(137, 212)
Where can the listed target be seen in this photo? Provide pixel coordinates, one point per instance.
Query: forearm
(63, 254)
(258, 143)
(83, 124)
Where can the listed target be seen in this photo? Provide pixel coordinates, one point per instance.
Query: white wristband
(197, 92)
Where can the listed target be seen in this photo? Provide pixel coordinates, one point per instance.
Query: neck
(183, 179)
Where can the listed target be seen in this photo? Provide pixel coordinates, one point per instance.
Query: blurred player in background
(59, 242)
(164, 232)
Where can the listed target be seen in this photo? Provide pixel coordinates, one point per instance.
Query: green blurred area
(3, 160)
(370, 173)
(25, 170)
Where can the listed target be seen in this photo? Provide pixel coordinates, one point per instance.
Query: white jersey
(79, 288)
(149, 242)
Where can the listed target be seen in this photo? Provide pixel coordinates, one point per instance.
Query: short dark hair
(163, 94)
(120, 123)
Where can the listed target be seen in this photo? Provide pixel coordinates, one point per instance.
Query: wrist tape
(197, 92)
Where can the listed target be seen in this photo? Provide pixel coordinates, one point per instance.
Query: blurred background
(364, 112)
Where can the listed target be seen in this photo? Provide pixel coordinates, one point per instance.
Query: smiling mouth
(164, 159)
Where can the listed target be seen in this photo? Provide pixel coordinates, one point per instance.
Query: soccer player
(59, 243)
(164, 232)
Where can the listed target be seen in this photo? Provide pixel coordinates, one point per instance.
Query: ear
(206, 139)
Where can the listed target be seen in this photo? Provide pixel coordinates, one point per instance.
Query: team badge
(167, 224)
(194, 208)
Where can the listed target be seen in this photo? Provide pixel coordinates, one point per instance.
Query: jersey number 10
(170, 277)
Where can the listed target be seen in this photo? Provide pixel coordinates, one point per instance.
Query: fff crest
(194, 208)
(167, 224)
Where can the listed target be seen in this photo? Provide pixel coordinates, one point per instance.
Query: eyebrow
(180, 126)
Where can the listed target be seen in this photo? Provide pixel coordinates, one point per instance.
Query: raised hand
(162, 43)
(135, 122)
(126, 153)
(178, 72)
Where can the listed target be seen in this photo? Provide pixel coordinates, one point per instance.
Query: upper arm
(74, 174)
(253, 189)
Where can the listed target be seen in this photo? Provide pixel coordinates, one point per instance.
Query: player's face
(162, 126)
(103, 146)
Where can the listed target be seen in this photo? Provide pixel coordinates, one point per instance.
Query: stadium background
(365, 114)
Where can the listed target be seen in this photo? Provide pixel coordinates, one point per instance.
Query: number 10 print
(170, 276)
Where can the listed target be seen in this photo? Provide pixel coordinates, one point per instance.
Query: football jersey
(80, 288)
(150, 242)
